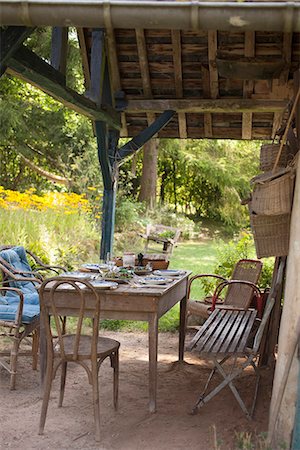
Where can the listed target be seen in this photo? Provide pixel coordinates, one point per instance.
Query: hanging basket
(268, 153)
(273, 193)
(271, 234)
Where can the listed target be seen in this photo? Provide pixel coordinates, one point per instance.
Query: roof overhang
(205, 15)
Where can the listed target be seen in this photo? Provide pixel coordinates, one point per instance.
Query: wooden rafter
(59, 49)
(176, 43)
(248, 85)
(144, 66)
(212, 40)
(11, 39)
(206, 105)
(287, 56)
(82, 39)
(27, 65)
(114, 70)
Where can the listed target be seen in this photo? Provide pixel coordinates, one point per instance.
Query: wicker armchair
(19, 304)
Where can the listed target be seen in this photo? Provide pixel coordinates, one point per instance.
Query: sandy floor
(132, 427)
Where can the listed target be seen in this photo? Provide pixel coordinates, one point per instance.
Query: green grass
(198, 257)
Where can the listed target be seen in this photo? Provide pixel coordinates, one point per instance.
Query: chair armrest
(18, 317)
(226, 283)
(202, 275)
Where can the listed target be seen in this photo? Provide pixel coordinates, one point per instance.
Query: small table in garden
(135, 303)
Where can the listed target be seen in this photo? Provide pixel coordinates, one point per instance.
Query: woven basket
(271, 234)
(268, 154)
(274, 196)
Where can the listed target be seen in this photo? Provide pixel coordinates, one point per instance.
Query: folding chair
(226, 335)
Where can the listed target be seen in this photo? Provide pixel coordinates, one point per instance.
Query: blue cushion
(8, 312)
(16, 257)
(29, 299)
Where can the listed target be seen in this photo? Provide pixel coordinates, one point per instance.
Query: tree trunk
(149, 173)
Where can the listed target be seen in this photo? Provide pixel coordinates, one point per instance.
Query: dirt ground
(132, 427)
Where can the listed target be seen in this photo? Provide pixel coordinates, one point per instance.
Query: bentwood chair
(63, 347)
(240, 294)
(19, 305)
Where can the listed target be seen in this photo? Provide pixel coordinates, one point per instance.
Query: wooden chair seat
(105, 346)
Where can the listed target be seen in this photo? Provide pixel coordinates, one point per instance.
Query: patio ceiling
(219, 70)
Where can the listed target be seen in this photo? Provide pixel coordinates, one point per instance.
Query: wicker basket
(274, 195)
(268, 154)
(271, 234)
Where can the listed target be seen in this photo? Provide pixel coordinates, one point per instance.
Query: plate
(103, 284)
(81, 275)
(91, 267)
(169, 272)
(154, 280)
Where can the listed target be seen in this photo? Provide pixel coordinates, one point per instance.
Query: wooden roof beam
(248, 85)
(144, 66)
(176, 44)
(206, 105)
(30, 67)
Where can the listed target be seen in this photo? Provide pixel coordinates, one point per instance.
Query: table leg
(182, 325)
(153, 340)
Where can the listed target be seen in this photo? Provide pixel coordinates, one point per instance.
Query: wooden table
(132, 303)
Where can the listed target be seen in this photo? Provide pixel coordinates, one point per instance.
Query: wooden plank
(59, 49)
(213, 71)
(287, 56)
(206, 105)
(222, 335)
(82, 39)
(244, 338)
(226, 337)
(217, 317)
(28, 66)
(248, 85)
(177, 60)
(235, 325)
(11, 39)
(144, 67)
(208, 121)
(202, 331)
(240, 331)
(208, 130)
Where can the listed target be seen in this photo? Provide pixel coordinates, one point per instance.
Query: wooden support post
(59, 49)
(284, 394)
(106, 147)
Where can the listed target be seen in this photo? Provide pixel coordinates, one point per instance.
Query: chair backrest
(14, 261)
(83, 297)
(240, 295)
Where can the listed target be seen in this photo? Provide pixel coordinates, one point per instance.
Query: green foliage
(229, 254)
(56, 238)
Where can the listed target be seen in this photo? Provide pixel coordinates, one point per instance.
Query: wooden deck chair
(19, 305)
(227, 335)
(238, 295)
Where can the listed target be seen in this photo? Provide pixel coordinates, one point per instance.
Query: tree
(149, 174)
